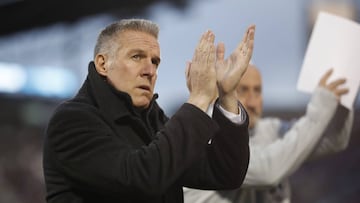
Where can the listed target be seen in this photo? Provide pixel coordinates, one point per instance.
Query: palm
(230, 70)
(200, 73)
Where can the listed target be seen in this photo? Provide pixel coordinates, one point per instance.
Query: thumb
(187, 74)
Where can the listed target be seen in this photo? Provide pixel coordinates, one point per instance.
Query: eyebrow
(136, 51)
(140, 51)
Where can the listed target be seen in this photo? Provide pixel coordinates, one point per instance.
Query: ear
(100, 64)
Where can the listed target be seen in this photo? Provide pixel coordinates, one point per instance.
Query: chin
(142, 105)
(253, 122)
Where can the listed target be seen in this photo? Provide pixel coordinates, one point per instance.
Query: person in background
(278, 147)
(113, 143)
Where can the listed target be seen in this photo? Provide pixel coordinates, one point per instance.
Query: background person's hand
(335, 86)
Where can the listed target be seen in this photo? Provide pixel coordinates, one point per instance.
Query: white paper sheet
(334, 43)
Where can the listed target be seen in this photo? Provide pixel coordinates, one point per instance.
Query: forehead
(138, 40)
(251, 77)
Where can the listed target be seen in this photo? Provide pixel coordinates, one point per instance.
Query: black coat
(100, 149)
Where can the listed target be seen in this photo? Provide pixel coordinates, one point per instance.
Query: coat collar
(110, 101)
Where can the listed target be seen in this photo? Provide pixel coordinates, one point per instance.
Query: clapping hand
(229, 71)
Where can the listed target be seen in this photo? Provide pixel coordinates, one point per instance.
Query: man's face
(249, 93)
(133, 68)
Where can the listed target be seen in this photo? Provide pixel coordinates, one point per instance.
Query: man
(113, 143)
(278, 148)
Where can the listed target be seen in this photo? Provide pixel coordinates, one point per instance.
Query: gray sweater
(278, 148)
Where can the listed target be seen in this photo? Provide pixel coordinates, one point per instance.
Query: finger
(335, 84)
(325, 77)
(204, 37)
(211, 37)
(211, 54)
(243, 40)
(200, 46)
(220, 51)
(250, 44)
(249, 35)
(246, 47)
(342, 91)
(210, 47)
(205, 46)
(252, 31)
(251, 38)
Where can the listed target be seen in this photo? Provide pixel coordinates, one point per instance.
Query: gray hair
(105, 41)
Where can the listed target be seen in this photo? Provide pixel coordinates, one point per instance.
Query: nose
(251, 100)
(149, 69)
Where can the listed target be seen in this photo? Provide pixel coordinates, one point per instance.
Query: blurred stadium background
(45, 47)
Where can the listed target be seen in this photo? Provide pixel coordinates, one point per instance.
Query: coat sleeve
(225, 162)
(270, 164)
(93, 159)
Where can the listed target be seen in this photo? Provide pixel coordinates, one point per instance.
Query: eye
(155, 62)
(242, 90)
(136, 57)
(258, 90)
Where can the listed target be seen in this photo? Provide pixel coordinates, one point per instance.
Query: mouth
(145, 87)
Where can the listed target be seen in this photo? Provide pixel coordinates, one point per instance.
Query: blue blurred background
(45, 47)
